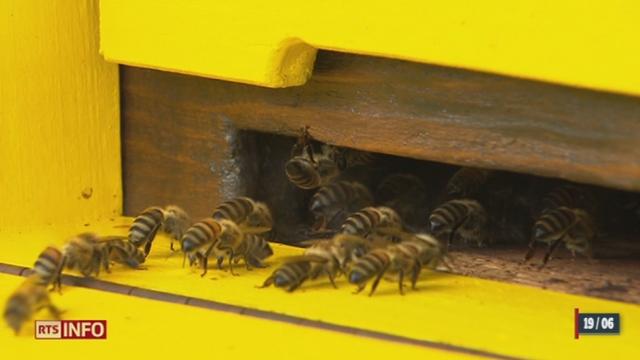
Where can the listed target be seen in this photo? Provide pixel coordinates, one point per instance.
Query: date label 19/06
(596, 323)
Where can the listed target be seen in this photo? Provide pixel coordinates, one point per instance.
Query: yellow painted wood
(140, 328)
(587, 44)
(59, 116)
(474, 313)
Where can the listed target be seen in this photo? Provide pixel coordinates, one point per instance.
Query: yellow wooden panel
(467, 312)
(59, 116)
(150, 329)
(273, 43)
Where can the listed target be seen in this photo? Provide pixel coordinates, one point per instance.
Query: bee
(311, 172)
(123, 252)
(467, 181)
(374, 223)
(49, 266)
(331, 203)
(198, 241)
(463, 219)
(253, 249)
(86, 254)
(295, 271)
(145, 226)
(337, 253)
(407, 257)
(253, 217)
(574, 227)
(29, 298)
(176, 222)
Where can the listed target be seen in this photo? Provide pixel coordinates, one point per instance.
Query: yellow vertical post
(59, 116)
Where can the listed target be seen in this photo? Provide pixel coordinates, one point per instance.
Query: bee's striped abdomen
(235, 210)
(199, 234)
(553, 224)
(302, 173)
(369, 265)
(361, 222)
(145, 226)
(49, 264)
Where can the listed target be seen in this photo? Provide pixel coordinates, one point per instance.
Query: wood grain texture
(412, 110)
(59, 117)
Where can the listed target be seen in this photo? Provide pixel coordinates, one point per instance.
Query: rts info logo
(71, 329)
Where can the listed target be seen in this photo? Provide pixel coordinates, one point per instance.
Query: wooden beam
(401, 108)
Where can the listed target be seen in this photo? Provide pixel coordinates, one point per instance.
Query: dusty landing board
(467, 312)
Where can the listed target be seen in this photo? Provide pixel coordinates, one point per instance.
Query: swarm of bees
(361, 234)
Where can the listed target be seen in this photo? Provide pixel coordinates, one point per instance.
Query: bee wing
(312, 242)
(303, 258)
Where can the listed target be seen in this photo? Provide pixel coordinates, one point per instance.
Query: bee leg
(205, 266)
(147, 248)
(551, 249)
(331, 278)
(400, 280)
(360, 288)
(266, 283)
(532, 249)
(414, 275)
(231, 265)
(220, 260)
(54, 311)
(171, 245)
(377, 281)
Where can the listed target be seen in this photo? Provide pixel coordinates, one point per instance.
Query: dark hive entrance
(512, 202)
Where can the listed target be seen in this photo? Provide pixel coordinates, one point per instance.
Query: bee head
(357, 277)
(280, 281)
(436, 225)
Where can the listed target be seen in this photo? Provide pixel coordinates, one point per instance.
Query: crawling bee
(253, 217)
(253, 249)
(463, 219)
(467, 181)
(293, 272)
(145, 226)
(49, 266)
(331, 203)
(336, 253)
(311, 172)
(86, 254)
(29, 298)
(377, 224)
(123, 252)
(574, 227)
(308, 168)
(197, 243)
(407, 257)
(176, 222)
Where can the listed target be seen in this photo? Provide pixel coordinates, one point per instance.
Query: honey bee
(295, 271)
(253, 217)
(337, 253)
(463, 219)
(29, 298)
(308, 168)
(467, 181)
(176, 222)
(377, 224)
(574, 227)
(49, 266)
(407, 257)
(253, 249)
(331, 203)
(123, 252)
(86, 254)
(198, 241)
(145, 226)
